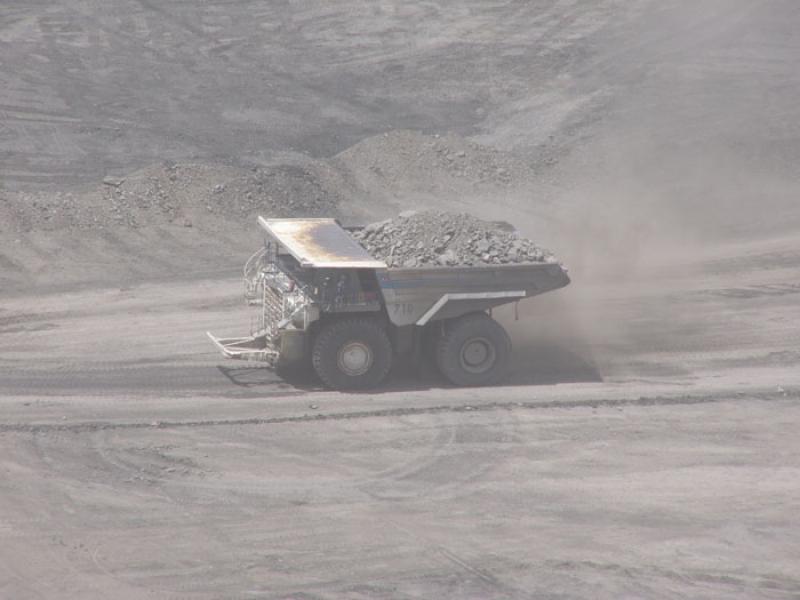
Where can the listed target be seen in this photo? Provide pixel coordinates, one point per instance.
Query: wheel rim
(355, 358)
(477, 355)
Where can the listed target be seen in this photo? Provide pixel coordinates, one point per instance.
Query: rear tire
(474, 350)
(352, 354)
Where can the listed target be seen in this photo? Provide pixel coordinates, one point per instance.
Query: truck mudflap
(245, 348)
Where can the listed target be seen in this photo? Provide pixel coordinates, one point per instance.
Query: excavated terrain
(645, 444)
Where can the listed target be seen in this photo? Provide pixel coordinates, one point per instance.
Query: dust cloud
(692, 155)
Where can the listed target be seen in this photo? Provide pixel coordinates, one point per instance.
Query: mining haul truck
(320, 295)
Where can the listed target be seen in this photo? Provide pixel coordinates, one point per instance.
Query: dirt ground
(645, 443)
(658, 459)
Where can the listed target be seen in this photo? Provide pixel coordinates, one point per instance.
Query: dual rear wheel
(473, 350)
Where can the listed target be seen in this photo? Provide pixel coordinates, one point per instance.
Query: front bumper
(245, 348)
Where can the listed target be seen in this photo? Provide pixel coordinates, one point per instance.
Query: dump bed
(413, 296)
(419, 295)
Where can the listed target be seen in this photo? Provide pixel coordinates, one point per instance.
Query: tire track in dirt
(399, 412)
(487, 579)
(461, 454)
(438, 466)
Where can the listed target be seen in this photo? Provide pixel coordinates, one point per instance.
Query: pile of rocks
(176, 194)
(435, 238)
(275, 191)
(412, 161)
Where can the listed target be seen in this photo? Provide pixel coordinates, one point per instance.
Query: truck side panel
(412, 294)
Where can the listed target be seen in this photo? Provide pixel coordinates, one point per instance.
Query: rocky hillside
(182, 218)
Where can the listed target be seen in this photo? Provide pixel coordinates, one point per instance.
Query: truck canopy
(319, 243)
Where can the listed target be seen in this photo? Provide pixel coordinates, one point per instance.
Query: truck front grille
(273, 311)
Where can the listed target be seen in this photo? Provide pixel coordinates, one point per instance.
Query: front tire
(352, 354)
(474, 350)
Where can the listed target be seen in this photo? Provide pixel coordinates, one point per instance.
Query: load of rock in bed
(434, 238)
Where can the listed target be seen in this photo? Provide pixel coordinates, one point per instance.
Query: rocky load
(436, 238)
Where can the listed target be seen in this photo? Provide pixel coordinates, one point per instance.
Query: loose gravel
(436, 238)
